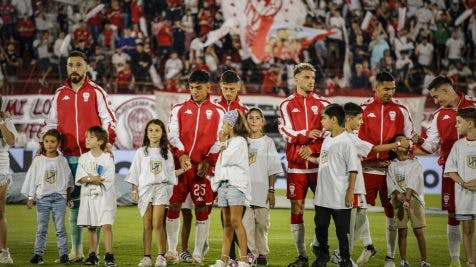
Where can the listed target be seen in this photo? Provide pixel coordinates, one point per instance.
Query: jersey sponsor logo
(86, 96)
(155, 167)
(446, 117)
(208, 114)
(188, 111)
(50, 176)
(371, 115)
(471, 161)
(295, 110)
(292, 190)
(392, 115)
(65, 97)
(324, 158)
(315, 110)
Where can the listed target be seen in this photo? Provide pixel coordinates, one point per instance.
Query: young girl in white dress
(98, 204)
(152, 176)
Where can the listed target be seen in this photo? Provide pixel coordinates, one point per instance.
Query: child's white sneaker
(5, 256)
(243, 264)
(218, 263)
(161, 261)
(424, 264)
(145, 262)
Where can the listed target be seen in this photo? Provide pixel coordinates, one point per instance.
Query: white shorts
(161, 195)
(188, 203)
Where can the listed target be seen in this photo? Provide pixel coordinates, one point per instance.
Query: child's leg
(158, 225)
(420, 236)
(251, 223)
(342, 223)
(43, 208)
(227, 234)
(402, 243)
(322, 219)
(93, 239)
(107, 237)
(261, 232)
(147, 232)
(59, 209)
(186, 227)
(352, 228)
(236, 219)
(360, 220)
(468, 232)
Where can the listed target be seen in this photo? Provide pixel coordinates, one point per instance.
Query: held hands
(180, 171)
(202, 169)
(314, 134)
(349, 198)
(305, 152)
(29, 203)
(185, 162)
(95, 180)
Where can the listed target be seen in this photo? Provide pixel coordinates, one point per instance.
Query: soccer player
(300, 126)
(441, 135)
(193, 134)
(383, 118)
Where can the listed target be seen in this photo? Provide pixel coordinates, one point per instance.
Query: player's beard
(75, 78)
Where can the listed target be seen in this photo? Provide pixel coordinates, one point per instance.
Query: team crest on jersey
(324, 158)
(392, 115)
(315, 110)
(252, 157)
(471, 160)
(85, 96)
(208, 113)
(50, 176)
(155, 167)
(400, 178)
(292, 190)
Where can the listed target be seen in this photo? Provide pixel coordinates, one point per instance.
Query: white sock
(201, 234)
(298, 235)
(366, 238)
(172, 227)
(454, 240)
(79, 250)
(391, 236)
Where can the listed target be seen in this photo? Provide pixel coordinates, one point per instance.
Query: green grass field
(128, 237)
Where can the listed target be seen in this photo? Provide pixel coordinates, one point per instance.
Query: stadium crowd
(129, 55)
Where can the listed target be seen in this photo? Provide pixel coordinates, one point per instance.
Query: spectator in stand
(10, 64)
(23, 7)
(377, 47)
(82, 34)
(136, 11)
(173, 67)
(454, 48)
(127, 42)
(42, 46)
(119, 59)
(205, 20)
(61, 56)
(26, 30)
(115, 15)
(108, 38)
(164, 38)
(188, 24)
(196, 48)
(425, 16)
(141, 63)
(178, 37)
(424, 52)
(442, 34)
(336, 42)
(359, 80)
(272, 77)
(7, 14)
(402, 42)
(101, 67)
(95, 23)
(212, 60)
(125, 80)
(199, 64)
(44, 21)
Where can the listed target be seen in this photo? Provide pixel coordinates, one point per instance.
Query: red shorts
(376, 183)
(448, 194)
(298, 183)
(356, 201)
(199, 188)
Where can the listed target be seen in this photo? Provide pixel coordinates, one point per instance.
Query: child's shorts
(465, 217)
(5, 179)
(161, 195)
(229, 195)
(415, 214)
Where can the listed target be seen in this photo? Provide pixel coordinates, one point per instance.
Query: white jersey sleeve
(174, 128)
(432, 141)
(105, 112)
(51, 121)
(408, 128)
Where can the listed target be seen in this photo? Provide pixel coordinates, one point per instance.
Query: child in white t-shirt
(461, 167)
(152, 175)
(232, 183)
(264, 165)
(49, 182)
(405, 188)
(338, 168)
(96, 174)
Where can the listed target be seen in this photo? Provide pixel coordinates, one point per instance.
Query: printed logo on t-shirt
(392, 115)
(471, 160)
(155, 167)
(50, 176)
(324, 158)
(400, 178)
(252, 157)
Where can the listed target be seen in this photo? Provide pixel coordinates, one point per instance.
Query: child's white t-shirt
(264, 162)
(462, 159)
(151, 169)
(338, 157)
(47, 176)
(406, 174)
(362, 148)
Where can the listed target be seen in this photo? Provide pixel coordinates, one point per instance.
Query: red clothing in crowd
(136, 12)
(73, 112)
(26, 28)
(96, 20)
(115, 17)
(6, 13)
(165, 36)
(205, 20)
(108, 33)
(82, 34)
(270, 80)
(124, 78)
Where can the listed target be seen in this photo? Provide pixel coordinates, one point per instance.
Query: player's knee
(201, 214)
(235, 222)
(173, 213)
(297, 218)
(452, 220)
